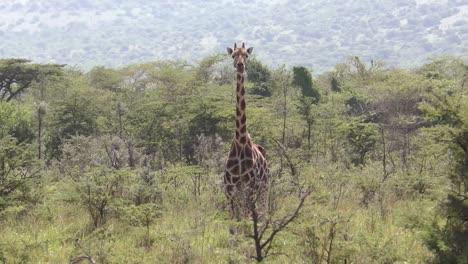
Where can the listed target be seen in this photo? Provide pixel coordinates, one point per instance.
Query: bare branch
(82, 258)
(263, 248)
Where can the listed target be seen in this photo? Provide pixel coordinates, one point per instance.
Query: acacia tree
(17, 165)
(302, 78)
(446, 107)
(281, 81)
(73, 115)
(17, 168)
(17, 75)
(259, 75)
(362, 137)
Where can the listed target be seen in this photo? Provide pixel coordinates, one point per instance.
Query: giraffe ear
(249, 50)
(229, 51)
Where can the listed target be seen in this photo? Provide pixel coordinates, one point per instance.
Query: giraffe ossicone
(247, 177)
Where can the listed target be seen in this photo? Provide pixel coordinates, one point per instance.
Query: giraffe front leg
(263, 201)
(232, 209)
(230, 195)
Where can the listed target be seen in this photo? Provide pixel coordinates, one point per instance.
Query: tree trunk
(309, 132)
(39, 134)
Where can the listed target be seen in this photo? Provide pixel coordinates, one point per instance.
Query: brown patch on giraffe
(247, 177)
(242, 140)
(247, 163)
(242, 104)
(261, 173)
(242, 92)
(229, 188)
(233, 152)
(235, 170)
(248, 151)
(238, 113)
(231, 162)
(234, 180)
(238, 184)
(243, 117)
(243, 129)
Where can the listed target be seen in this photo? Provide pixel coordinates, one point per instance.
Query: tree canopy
(16, 75)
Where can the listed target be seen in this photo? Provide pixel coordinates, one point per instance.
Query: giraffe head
(240, 56)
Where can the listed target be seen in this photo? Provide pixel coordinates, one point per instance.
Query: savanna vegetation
(369, 163)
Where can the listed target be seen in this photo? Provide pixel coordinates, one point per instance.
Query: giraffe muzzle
(240, 67)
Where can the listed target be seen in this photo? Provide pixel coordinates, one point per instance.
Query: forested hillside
(125, 165)
(319, 33)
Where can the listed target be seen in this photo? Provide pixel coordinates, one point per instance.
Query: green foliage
(260, 76)
(303, 78)
(150, 124)
(17, 168)
(357, 104)
(335, 84)
(213, 68)
(15, 120)
(446, 106)
(103, 78)
(99, 189)
(361, 137)
(74, 114)
(17, 75)
(136, 156)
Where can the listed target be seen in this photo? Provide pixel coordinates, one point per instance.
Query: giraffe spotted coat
(246, 178)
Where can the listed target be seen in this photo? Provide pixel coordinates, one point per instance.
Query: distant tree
(302, 78)
(357, 104)
(205, 123)
(259, 75)
(73, 115)
(362, 137)
(207, 69)
(17, 168)
(17, 75)
(15, 121)
(447, 67)
(335, 84)
(357, 69)
(98, 189)
(445, 107)
(281, 81)
(103, 78)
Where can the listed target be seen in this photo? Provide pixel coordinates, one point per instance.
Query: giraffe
(246, 177)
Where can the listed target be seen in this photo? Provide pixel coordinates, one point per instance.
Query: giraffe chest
(240, 159)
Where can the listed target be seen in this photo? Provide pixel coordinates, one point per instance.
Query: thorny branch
(262, 248)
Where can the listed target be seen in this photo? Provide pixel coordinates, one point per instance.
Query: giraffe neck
(241, 126)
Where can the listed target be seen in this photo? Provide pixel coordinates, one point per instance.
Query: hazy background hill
(314, 33)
